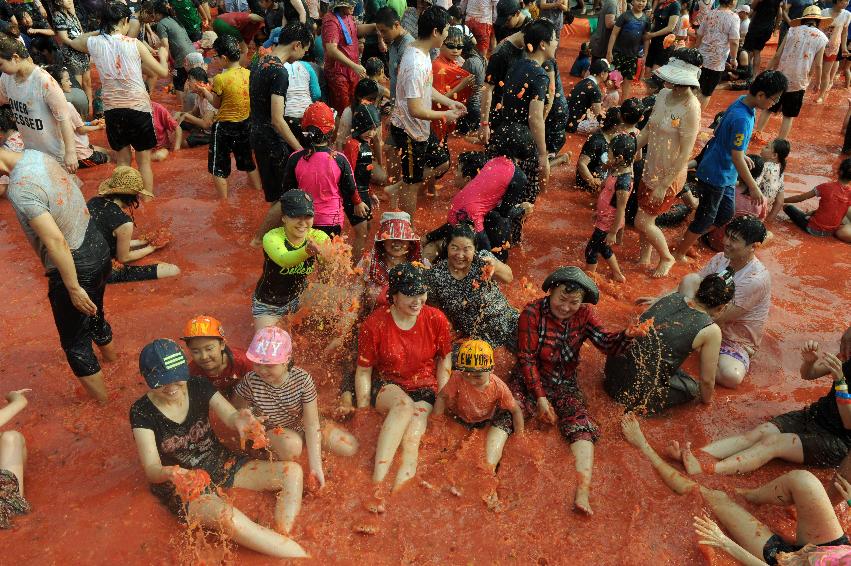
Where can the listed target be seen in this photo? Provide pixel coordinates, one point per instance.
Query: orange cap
(203, 326)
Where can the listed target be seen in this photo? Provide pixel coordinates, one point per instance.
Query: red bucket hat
(320, 116)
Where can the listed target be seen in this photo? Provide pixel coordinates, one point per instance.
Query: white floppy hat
(679, 73)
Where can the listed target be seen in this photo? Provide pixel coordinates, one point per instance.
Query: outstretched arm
(17, 402)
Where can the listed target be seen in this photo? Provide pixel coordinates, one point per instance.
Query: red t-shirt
(404, 357)
(164, 125)
(237, 366)
(475, 405)
(834, 200)
(333, 33)
(242, 22)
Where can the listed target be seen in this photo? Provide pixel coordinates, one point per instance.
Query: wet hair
(612, 119)
(585, 49)
(314, 137)
(366, 89)
(758, 165)
(433, 19)
(648, 102)
(715, 290)
(227, 47)
(716, 120)
(373, 66)
(781, 148)
(463, 229)
(159, 7)
(471, 162)
(112, 14)
(9, 47)
(623, 146)
(536, 32)
(770, 83)
(130, 202)
(56, 71)
(845, 170)
(514, 141)
(689, 55)
(631, 111)
(448, 232)
(387, 17)
(455, 12)
(749, 228)
(454, 35)
(296, 31)
(7, 119)
(198, 74)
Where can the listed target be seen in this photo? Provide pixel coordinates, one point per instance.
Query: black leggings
(130, 273)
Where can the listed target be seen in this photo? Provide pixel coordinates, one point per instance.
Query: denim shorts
(259, 308)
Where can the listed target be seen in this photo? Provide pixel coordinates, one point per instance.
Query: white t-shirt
(38, 105)
(414, 81)
(717, 30)
(120, 69)
(298, 91)
(802, 45)
(753, 294)
(482, 11)
(744, 26)
(834, 32)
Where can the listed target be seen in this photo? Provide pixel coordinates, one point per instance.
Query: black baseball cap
(504, 10)
(162, 362)
(295, 203)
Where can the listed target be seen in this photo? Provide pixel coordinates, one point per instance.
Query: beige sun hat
(678, 72)
(813, 13)
(124, 181)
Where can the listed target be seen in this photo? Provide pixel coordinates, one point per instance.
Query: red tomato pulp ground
(91, 503)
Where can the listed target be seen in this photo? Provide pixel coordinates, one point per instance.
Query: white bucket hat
(679, 73)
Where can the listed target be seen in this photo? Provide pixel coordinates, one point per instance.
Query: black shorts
(132, 273)
(756, 38)
(626, 64)
(708, 80)
(130, 127)
(332, 231)
(95, 159)
(417, 395)
(179, 78)
(775, 545)
(501, 419)
(228, 138)
(716, 207)
(821, 447)
(417, 155)
(790, 104)
(657, 54)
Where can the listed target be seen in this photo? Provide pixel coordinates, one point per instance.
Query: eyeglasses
(453, 46)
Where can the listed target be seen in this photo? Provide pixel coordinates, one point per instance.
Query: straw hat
(678, 72)
(124, 181)
(812, 13)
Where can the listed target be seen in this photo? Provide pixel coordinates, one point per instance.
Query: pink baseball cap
(270, 345)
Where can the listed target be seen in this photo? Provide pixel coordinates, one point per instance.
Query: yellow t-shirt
(232, 85)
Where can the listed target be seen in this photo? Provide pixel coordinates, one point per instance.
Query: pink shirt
(482, 194)
(81, 141)
(319, 176)
(164, 124)
(606, 211)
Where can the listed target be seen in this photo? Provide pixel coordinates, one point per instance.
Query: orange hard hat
(203, 326)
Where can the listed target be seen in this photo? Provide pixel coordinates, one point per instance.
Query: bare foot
(619, 277)
(665, 265)
(691, 464)
(681, 258)
(581, 502)
(819, 100)
(632, 431)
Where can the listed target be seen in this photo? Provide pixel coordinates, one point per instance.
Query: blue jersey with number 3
(732, 134)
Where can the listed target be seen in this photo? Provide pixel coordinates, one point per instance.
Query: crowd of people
(338, 109)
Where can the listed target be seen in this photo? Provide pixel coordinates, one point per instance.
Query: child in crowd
(450, 80)
(833, 215)
(681, 31)
(799, 55)
(836, 48)
(374, 67)
(212, 357)
(365, 126)
(199, 120)
(229, 94)
(774, 156)
(366, 92)
(582, 64)
(591, 169)
(586, 97)
(744, 13)
(11, 140)
(613, 85)
(169, 135)
(286, 396)
(474, 64)
(476, 398)
(611, 206)
(456, 21)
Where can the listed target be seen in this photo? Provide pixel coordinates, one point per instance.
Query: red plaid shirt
(555, 357)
